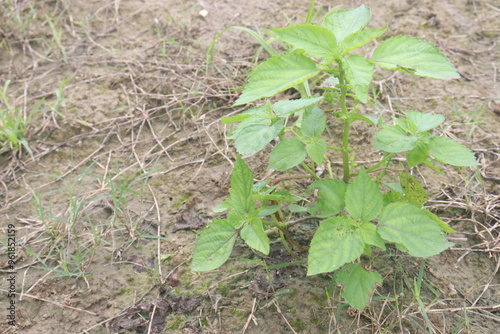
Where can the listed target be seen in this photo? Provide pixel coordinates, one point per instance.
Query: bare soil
(129, 166)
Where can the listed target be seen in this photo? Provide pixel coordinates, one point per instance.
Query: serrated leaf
(241, 187)
(252, 138)
(451, 152)
(358, 117)
(346, 22)
(392, 197)
(316, 150)
(369, 235)
(313, 122)
(268, 210)
(315, 40)
(358, 284)
(285, 108)
(359, 73)
(331, 197)
(278, 196)
(445, 227)
(423, 121)
(244, 115)
(259, 186)
(236, 218)
(276, 75)
(363, 199)
(360, 38)
(410, 226)
(223, 206)
(297, 208)
(413, 55)
(287, 154)
(406, 125)
(262, 115)
(254, 236)
(213, 246)
(414, 192)
(394, 139)
(334, 244)
(418, 154)
(395, 186)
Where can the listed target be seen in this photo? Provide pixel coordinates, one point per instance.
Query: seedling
(13, 124)
(361, 210)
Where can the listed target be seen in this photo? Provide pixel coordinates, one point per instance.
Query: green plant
(13, 124)
(357, 212)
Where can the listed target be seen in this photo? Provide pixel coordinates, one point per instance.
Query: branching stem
(347, 123)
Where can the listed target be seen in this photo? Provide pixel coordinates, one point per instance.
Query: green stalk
(310, 11)
(386, 158)
(309, 170)
(347, 123)
(287, 247)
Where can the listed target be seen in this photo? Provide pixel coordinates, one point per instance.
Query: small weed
(13, 124)
(363, 209)
(57, 33)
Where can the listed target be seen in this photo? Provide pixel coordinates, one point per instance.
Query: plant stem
(310, 11)
(309, 170)
(290, 177)
(334, 148)
(347, 123)
(386, 158)
(287, 247)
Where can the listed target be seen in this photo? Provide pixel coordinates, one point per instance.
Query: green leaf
(331, 197)
(276, 75)
(445, 227)
(414, 192)
(358, 284)
(252, 138)
(334, 244)
(451, 152)
(287, 154)
(410, 226)
(246, 114)
(423, 121)
(413, 55)
(346, 22)
(406, 125)
(241, 187)
(268, 210)
(315, 40)
(236, 218)
(418, 154)
(360, 38)
(394, 139)
(316, 150)
(313, 122)
(285, 108)
(254, 235)
(278, 196)
(297, 208)
(358, 117)
(369, 235)
(359, 73)
(392, 197)
(363, 199)
(262, 115)
(395, 186)
(214, 246)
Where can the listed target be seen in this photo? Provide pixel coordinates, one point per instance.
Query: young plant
(13, 124)
(358, 211)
